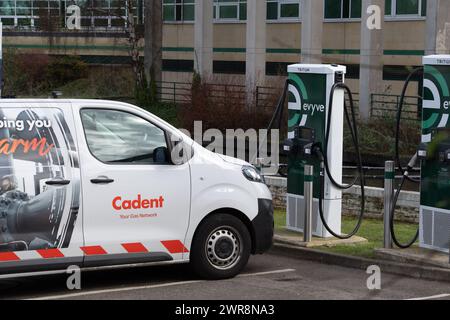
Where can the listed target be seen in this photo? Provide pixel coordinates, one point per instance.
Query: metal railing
(355, 97)
(174, 92)
(385, 105)
(266, 98)
(219, 93)
(181, 92)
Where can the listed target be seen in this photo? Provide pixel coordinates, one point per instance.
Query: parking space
(267, 277)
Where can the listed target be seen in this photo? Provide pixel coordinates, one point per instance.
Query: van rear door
(40, 218)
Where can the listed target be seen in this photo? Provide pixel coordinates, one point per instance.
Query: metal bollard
(308, 192)
(389, 178)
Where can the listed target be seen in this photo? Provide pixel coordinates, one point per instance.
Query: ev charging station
(309, 90)
(315, 138)
(435, 180)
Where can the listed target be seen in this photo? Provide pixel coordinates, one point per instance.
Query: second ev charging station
(435, 181)
(433, 154)
(309, 90)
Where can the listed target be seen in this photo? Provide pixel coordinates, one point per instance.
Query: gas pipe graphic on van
(33, 216)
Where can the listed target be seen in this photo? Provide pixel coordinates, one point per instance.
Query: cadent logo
(119, 204)
(313, 108)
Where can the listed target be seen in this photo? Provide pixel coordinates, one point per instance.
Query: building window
(343, 9)
(230, 10)
(51, 14)
(178, 10)
(351, 9)
(105, 14)
(406, 8)
(236, 10)
(28, 13)
(283, 9)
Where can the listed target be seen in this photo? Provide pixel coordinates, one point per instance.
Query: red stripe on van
(93, 251)
(175, 246)
(8, 256)
(50, 253)
(135, 247)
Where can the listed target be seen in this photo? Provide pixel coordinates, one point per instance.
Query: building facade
(263, 34)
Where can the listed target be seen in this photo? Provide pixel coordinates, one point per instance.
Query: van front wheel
(221, 247)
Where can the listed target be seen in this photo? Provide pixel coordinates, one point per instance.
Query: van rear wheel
(221, 247)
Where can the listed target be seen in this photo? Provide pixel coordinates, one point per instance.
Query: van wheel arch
(238, 214)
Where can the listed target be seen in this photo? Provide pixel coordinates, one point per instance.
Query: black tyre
(221, 247)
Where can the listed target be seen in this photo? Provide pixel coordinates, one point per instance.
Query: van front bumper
(263, 227)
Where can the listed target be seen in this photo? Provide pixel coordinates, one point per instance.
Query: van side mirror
(161, 156)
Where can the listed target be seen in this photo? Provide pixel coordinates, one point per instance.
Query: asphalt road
(267, 277)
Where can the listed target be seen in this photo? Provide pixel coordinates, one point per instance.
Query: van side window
(117, 137)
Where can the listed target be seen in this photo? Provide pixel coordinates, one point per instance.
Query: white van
(96, 183)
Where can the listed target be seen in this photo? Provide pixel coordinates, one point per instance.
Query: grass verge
(371, 229)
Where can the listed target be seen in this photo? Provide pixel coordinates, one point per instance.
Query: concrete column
(438, 27)
(256, 46)
(372, 49)
(203, 38)
(153, 40)
(312, 28)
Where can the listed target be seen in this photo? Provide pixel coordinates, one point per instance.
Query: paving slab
(296, 239)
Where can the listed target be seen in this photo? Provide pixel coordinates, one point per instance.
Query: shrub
(111, 81)
(62, 70)
(38, 74)
(166, 111)
(222, 107)
(24, 74)
(377, 137)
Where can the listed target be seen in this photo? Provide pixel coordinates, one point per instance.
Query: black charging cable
(401, 103)
(405, 172)
(323, 153)
(409, 168)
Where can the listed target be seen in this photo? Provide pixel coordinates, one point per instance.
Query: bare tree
(126, 11)
(149, 73)
(134, 38)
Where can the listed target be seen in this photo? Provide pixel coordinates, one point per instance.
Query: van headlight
(252, 174)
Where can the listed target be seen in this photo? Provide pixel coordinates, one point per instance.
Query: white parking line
(439, 296)
(265, 273)
(163, 285)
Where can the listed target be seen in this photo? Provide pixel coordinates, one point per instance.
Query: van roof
(50, 100)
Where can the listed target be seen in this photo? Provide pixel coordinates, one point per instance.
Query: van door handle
(57, 182)
(102, 180)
